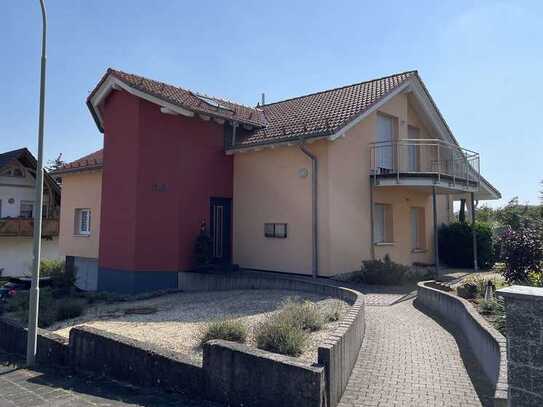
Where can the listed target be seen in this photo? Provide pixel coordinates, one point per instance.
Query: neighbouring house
(17, 190)
(310, 185)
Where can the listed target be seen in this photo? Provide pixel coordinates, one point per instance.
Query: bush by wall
(456, 245)
(522, 252)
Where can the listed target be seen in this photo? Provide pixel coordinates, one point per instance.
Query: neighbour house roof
(89, 162)
(25, 157)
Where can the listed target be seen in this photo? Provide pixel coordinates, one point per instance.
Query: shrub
(456, 245)
(227, 329)
(62, 279)
(467, 290)
(304, 315)
(278, 334)
(522, 251)
(382, 272)
(535, 278)
(202, 248)
(47, 307)
(333, 311)
(68, 309)
(488, 307)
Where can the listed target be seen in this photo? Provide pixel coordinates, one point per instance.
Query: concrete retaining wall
(52, 349)
(241, 376)
(487, 344)
(133, 361)
(338, 353)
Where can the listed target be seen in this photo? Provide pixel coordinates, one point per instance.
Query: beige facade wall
(80, 190)
(268, 188)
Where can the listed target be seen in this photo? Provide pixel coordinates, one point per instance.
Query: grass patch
(305, 315)
(226, 329)
(278, 334)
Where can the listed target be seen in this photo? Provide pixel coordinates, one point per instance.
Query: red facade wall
(159, 173)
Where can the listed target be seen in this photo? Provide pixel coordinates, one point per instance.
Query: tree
(55, 164)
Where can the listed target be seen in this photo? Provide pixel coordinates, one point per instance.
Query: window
(13, 172)
(26, 209)
(386, 129)
(382, 223)
(82, 221)
(277, 230)
(413, 149)
(418, 228)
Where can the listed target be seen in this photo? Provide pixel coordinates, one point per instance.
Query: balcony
(13, 227)
(424, 162)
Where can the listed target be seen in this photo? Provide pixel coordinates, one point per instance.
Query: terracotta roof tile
(90, 161)
(193, 101)
(321, 113)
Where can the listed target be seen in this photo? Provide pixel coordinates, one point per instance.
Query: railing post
(397, 149)
(438, 163)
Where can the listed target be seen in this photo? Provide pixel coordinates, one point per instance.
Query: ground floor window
(26, 209)
(82, 221)
(418, 229)
(382, 223)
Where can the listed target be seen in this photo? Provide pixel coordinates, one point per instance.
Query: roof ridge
(413, 71)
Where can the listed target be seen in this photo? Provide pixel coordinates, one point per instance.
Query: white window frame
(80, 230)
(383, 228)
(23, 202)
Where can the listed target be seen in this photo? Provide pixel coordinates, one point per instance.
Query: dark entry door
(221, 229)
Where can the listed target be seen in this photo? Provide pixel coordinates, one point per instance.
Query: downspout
(314, 208)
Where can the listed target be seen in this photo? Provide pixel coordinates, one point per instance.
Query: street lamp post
(38, 203)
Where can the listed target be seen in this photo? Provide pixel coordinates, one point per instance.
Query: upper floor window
(83, 222)
(13, 172)
(26, 209)
(386, 131)
(382, 223)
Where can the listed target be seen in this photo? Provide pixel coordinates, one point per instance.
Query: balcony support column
(474, 233)
(436, 239)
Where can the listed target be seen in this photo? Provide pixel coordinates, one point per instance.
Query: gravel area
(174, 321)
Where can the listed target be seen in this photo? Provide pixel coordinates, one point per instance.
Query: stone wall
(51, 348)
(524, 325)
(487, 344)
(239, 375)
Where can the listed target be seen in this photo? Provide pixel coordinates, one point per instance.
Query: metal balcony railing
(12, 227)
(425, 157)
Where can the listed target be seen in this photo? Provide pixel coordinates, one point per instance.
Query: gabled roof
(169, 95)
(25, 157)
(321, 113)
(89, 162)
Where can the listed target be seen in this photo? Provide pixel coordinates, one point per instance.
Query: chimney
(263, 99)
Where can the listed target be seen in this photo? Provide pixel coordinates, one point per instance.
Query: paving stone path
(20, 387)
(410, 359)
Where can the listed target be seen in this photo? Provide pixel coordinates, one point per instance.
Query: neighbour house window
(26, 209)
(277, 230)
(82, 221)
(382, 223)
(13, 172)
(418, 229)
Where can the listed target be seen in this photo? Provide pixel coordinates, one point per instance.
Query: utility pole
(38, 206)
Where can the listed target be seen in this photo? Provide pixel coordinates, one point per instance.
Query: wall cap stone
(522, 292)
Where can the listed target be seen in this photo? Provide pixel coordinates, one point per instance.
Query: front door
(220, 230)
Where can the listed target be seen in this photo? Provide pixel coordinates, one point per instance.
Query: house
(310, 185)
(17, 195)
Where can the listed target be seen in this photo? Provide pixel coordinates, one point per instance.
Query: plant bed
(182, 319)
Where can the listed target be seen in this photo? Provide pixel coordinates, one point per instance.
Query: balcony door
(221, 229)
(413, 150)
(385, 136)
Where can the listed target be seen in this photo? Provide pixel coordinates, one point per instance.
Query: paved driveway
(21, 387)
(411, 359)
